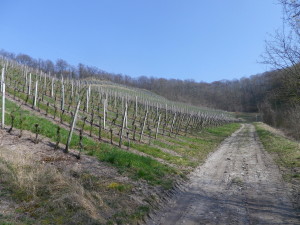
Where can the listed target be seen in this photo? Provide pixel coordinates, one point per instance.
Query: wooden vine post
(172, 125)
(26, 81)
(187, 125)
(58, 137)
(99, 132)
(92, 122)
(37, 130)
(111, 136)
(72, 128)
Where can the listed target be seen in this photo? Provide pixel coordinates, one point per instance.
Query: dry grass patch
(286, 154)
(285, 151)
(46, 194)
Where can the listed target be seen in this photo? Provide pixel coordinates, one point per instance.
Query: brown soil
(238, 184)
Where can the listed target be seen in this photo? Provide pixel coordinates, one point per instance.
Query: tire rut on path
(238, 184)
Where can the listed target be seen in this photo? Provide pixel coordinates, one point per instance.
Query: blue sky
(183, 39)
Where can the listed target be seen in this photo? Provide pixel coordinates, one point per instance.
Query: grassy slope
(286, 152)
(196, 148)
(45, 194)
(136, 166)
(129, 164)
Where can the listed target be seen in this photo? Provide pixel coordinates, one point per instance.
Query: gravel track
(238, 184)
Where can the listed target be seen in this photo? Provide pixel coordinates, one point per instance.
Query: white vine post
(126, 120)
(87, 98)
(123, 125)
(29, 84)
(104, 112)
(52, 87)
(3, 106)
(62, 97)
(2, 77)
(35, 93)
(136, 105)
(72, 128)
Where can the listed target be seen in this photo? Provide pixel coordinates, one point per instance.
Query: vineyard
(142, 134)
(109, 113)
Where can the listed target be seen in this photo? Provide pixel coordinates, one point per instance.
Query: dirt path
(238, 184)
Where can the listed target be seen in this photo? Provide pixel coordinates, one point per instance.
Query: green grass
(138, 167)
(286, 152)
(196, 148)
(193, 149)
(46, 128)
(222, 131)
(155, 152)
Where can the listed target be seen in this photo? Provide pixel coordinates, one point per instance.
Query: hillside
(273, 94)
(88, 151)
(128, 149)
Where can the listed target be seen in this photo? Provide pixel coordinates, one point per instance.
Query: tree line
(235, 95)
